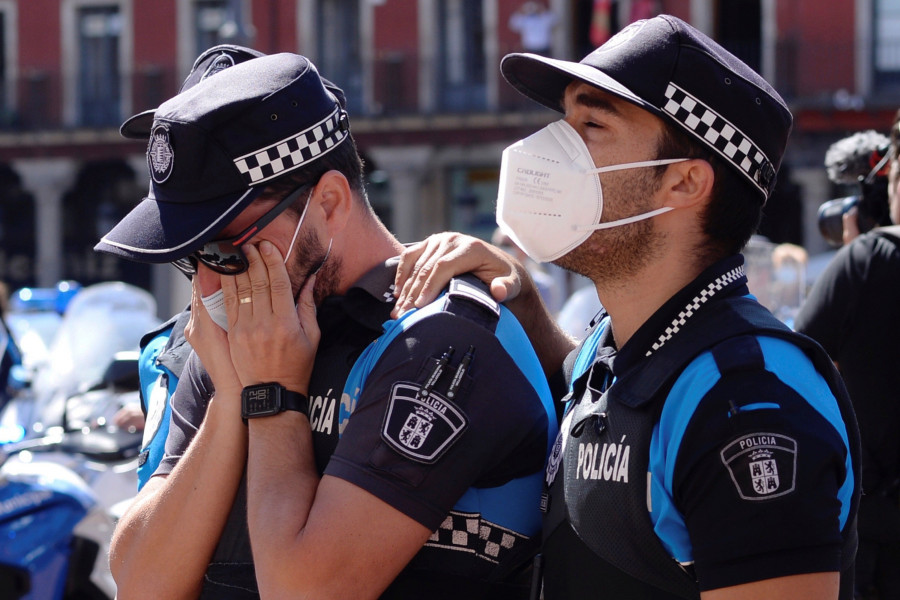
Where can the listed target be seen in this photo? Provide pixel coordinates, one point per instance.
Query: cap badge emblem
(160, 155)
(623, 36)
(222, 62)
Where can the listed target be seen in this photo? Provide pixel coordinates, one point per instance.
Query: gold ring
(246, 300)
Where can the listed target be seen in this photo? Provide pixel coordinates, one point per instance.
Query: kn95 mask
(550, 198)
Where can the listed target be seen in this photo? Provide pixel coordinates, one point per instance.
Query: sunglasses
(225, 256)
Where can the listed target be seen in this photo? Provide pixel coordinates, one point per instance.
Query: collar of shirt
(722, 279)
(375, 287)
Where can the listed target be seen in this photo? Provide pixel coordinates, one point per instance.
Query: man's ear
(335, 199)
(688, 183)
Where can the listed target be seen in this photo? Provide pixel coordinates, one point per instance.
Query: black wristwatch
(267, 399)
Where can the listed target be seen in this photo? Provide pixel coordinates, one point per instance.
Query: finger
(445, 259)
(282, 296)
(258, 274)
(850, 222)
(418, 260)
(243, 290)
(200, 326)
(504, 288)
(196, 308)
(407, 264)
(405, 277)
(231, 296)
(419, 280)
(438, 268)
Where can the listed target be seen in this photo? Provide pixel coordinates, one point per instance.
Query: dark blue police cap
(214, 147)
(667, 67)
(212, 61)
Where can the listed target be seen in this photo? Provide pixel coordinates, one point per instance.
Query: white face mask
(215, 306)
(215, 302)
(550, 198)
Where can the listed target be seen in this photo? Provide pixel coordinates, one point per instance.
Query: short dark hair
(344, 158)
(734, 211)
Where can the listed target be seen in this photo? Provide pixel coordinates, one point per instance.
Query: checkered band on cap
(716, 131)
(295, 151)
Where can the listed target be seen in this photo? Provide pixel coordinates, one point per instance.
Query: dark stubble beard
(611, 257)
(310, 256)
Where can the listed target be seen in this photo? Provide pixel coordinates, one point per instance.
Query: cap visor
(545, 79)
(138, 127)
(156, 231)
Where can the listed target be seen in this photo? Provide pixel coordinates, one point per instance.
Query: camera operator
(853, 310)
(860, 160)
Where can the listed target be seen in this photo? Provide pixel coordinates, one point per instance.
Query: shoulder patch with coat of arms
(420, 427)
(762, 465)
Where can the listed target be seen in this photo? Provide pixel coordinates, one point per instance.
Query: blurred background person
(535, 23)
(580, 312)
(551, 291)
(861, 162)
(10, 355)
(853, 310)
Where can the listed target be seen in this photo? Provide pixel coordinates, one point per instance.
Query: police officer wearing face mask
(316, 447)
(164, 350)
(705, 449)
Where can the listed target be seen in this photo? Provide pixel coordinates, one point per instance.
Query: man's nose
(208, 280)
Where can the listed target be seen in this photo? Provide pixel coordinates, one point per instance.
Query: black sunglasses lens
(223, 257)
(187, 265)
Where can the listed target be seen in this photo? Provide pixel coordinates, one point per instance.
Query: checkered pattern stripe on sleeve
(717, 132)
(468, 532)
(292, 152)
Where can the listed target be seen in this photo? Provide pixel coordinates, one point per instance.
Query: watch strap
(284, 399)
(294, 401)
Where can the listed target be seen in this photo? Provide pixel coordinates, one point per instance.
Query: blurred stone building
(428, 107)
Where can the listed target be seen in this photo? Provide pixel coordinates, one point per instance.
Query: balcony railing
(392, 86)
(35, 101)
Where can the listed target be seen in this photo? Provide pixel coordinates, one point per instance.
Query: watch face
(259, 401)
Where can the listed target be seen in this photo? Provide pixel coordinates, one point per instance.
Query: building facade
(428, 107)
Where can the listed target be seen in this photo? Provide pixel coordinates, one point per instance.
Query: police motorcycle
(33, 318)
(68, 473)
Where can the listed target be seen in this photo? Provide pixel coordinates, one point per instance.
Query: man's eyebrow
(596, 102)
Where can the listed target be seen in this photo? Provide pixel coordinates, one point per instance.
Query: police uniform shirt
(748, 470)
(164, 352)
(497, 431)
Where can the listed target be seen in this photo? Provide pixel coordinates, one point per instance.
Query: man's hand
(130, 417)
(427, 267)
(210, 342)
(269, 338)
(850, 222)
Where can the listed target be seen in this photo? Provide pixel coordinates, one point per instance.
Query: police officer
(706, 450)
(164, 350)
(315, 450)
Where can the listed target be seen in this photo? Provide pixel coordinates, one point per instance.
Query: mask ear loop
(635, 218)
(626, 220)
(297, 230)
(327, 254)
(637, 165)
(317, 269)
